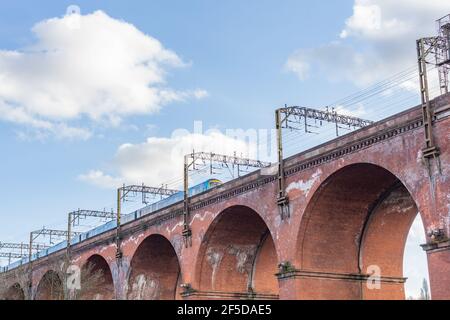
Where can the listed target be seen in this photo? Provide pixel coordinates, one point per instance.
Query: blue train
(177, 197)
(149, 209)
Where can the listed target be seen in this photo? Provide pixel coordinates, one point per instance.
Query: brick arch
(96, 279)
(357, 219)
(383, 241)
(154, 272)
(14, 292)
(237, 256)
(50, 287)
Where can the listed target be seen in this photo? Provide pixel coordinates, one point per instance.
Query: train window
(215, 183)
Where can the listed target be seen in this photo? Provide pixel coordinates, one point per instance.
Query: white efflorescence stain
(374, 279)
(305, 186)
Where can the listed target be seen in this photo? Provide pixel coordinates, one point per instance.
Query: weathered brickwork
(352, 202)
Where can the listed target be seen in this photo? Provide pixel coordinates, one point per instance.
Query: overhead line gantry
(75, 216)
(124, 191)
(210, 158)
(295, 118)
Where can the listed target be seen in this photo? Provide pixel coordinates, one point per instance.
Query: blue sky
(237, 53)
(228, 64)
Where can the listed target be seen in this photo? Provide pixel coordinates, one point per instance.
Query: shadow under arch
(96, 280)
(154, 270)
(50, 287)
(355, 226)
(14, 292)
(237, 257)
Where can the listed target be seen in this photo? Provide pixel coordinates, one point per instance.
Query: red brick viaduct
(352, 202)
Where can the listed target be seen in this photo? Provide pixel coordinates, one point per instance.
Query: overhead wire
(374, 98)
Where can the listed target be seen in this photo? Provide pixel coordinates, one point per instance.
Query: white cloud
(298, 63)
(377, 41)
(42, 128)
(103, 69)
(366, 18)
(200, 93)
(384, 19)
(337, 61)
(160, 160)
(358, 111)
(99, 179)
